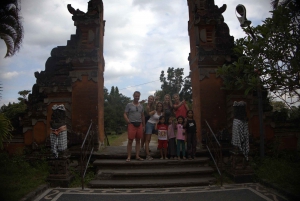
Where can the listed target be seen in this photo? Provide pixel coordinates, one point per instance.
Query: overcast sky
(142, 38)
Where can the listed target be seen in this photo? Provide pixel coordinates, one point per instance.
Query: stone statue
(240, 132)
(58, 135)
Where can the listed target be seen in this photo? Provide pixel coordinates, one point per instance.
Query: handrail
(106, 140)
(217, 151)
(86, 147)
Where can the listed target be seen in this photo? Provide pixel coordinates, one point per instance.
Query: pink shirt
(180, 132)
(171, 133)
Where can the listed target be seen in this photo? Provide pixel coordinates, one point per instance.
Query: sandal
(128, 160)
(139, 159)
(149, 158)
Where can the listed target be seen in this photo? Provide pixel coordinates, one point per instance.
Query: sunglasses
(137, 109)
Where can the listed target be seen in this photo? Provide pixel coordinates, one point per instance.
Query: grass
(117, 140)
(76, 182)
(282, 171)
(20, 176)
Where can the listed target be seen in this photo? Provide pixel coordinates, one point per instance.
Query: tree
(5, 129)
(15, 111)
(270, 59)
(11, 28)
(174, 83)
(23, 95)
(114, 106)
(186, 91)
(0, 91)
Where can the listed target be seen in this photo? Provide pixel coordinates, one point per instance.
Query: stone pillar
(101, 68)
(59, 175)
(210, 47)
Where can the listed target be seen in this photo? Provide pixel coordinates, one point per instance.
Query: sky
(142, 38)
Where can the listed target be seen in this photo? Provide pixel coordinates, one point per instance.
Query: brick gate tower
(210, 47)
(73, 76)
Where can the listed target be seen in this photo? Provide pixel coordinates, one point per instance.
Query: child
(171, 139)
(168, 107)
(180, 137)
(190, 127)
(162, 136)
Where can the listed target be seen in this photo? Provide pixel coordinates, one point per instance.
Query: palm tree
(11, 28)
(5, 130)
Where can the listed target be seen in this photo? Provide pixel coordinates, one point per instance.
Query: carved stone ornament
(204, 72)
(77, 75)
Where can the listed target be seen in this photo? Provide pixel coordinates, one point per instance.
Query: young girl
(162, 136)
(150, 126)
(171, 139)
(190, 127)
(149, 108)
(168, 107)
(180, 137)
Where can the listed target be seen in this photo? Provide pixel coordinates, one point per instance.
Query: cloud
(10, 75)
(142, 38)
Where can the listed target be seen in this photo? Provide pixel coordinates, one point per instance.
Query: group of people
(173, 123)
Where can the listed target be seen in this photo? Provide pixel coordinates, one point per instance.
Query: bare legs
(163, 153)
(147, 142)
(143, 141)
(129, 148)
(137, 148)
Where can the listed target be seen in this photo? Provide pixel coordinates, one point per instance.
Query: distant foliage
(114, 106)
(173, 82)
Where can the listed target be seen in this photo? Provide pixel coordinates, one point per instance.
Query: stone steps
(117, 173)
(153, 182)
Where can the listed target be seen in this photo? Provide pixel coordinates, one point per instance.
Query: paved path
(232, 192)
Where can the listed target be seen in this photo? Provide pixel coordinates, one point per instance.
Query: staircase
(115, 172)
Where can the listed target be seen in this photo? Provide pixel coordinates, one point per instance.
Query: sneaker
(149, 158)
(166, 159)
(184, 158)
(190, 158)
(161, 158)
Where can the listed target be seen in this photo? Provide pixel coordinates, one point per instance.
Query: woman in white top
(150, 126)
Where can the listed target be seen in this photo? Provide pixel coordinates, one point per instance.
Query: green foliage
(14, 111)
(23, 95)
(5, 129)
(19, 177)
(268, 56)
(174, 82)
(11, 29)
(1, 91)
(283, 171)
(283, 114)
(114, 106)
(76, 182)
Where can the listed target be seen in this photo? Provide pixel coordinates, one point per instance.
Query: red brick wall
(84, 104)
(39, 132)
(213, 103)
